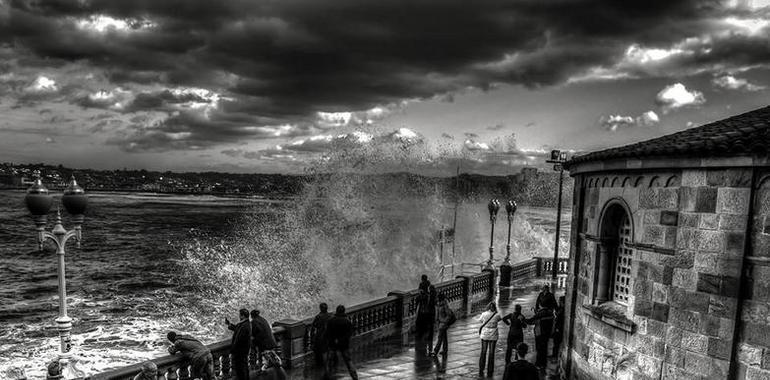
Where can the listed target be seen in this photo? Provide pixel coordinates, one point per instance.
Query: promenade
(393, 358)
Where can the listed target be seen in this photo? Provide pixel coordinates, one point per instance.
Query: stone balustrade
(387, 316)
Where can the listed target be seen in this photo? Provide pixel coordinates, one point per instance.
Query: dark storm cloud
(282, 62)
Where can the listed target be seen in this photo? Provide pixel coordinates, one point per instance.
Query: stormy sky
(271, 86)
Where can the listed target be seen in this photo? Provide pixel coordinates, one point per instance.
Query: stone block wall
(689, 234)
(753, 356)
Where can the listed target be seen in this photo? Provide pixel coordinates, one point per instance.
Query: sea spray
(356, 231)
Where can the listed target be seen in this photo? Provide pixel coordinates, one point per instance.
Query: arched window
(614, 261)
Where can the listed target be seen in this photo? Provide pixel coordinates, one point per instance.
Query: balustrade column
(226, 366)
(184, 372)
(217, 364)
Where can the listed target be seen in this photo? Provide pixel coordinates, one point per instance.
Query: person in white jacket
(488, 333)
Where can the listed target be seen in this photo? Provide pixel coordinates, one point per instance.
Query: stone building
(669, 273)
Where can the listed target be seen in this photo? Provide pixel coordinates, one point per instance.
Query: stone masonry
(689, 232)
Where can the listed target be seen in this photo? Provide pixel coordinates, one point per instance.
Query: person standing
(423, 322)
(521, 369)
(318, 333)
(517, 323)
(424, 283)
(339, 330)
(546, 299)
(240, 344)
(558, 328)
(200, 358)
(543, 321)
(261, 335)
(488, 333)
(430, 319)
(446, 317)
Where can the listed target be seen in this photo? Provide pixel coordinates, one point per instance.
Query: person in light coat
(488, 334)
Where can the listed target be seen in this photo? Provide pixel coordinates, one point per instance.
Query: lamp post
(505, 267)
(558, 158)
(39, 202)
(494, 207)
(510, 209)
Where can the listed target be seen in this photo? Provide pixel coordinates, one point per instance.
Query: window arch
(614, 261)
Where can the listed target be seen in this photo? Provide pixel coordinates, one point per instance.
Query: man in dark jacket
(543, 321)
(339, 330)
(261, 335)
(200, 358)
(545, 300)
(521, 369)
(240, 344)
(423, 324)
(318, 333)
(516, 333)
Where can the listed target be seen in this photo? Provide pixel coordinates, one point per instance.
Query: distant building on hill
(669, 272)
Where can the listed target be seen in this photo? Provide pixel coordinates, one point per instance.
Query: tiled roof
(746, 134)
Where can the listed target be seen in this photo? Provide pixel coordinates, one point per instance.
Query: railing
(371, 320)
(174, 367)
(525, 270)
(547, 265)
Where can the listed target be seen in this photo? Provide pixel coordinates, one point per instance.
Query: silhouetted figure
(149, 372)
(446, 317)
(558, 328)
(262, 338)
(488, 333)
(546, 299)
(521, 369)
(240, 344)
(339, 330)
(543, 321)
(517, 323)
(431, 320)
(199, 355)
(423, 322)
(424, 283)
(318, 333)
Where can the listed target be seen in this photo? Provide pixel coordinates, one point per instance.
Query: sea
(149, 263)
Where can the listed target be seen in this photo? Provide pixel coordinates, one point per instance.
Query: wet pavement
(390, 359)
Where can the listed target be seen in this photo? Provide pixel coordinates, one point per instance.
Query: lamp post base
(505, 275)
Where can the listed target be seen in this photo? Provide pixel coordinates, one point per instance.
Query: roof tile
(740, 135)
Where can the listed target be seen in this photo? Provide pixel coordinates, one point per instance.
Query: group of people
(330, 336)
(432, 308)
(548, 321)
(249, 335)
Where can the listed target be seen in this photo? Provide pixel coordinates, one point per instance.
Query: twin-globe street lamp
(39, 203)
(505, 268)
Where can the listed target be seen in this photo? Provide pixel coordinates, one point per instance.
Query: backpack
(451, 318)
